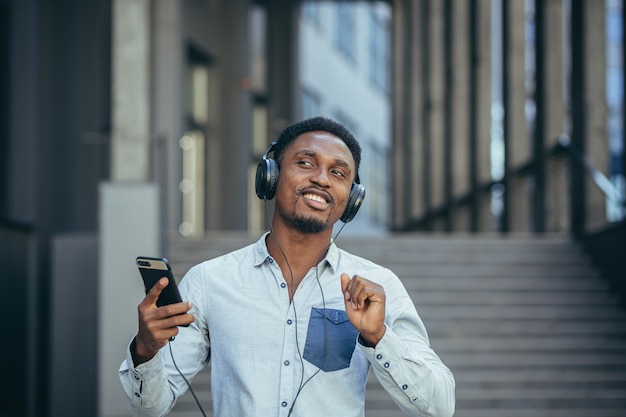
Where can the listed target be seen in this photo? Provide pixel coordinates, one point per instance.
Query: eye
(304, 162)
(339, 173)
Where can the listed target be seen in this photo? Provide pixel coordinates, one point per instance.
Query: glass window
(379, 52)
(310, 104)
(346, 30)
(311, 11)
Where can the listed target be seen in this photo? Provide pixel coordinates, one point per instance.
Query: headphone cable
(295, 314)
(302, 382)
(184, 378)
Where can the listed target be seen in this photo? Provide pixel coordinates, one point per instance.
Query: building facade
(125, 123)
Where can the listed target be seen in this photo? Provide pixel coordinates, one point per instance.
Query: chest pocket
(334, 353)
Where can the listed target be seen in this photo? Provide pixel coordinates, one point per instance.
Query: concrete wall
(129, 227)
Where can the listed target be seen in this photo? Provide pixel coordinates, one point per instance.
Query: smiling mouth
(315, 197)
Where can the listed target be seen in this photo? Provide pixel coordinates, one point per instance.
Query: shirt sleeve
(146, 387)
(406, 365)
(153, 387)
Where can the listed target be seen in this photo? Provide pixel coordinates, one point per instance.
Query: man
(292, 325)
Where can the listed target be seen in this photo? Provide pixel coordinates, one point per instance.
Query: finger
(347, 285)
(155, 291)
(345, 281)
(151, 342)
(368, 294)
(361, 290)
(173, 310)
(184, 319)
(161, 324)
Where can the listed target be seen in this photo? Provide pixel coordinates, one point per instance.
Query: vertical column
(130, 85)
(282, 43)
(473, 113)
(129, 205)
(236, 100)
(595, 45)
(624, 102)
(167, 77)
(435, 110)
(448, 112)
(499, 95)
(425, 103)
(405, 102)
(537, 128)
(577, 96)
(556, 206)
(462, 127)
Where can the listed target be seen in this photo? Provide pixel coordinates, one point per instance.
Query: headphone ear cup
(266, 179)
(355, 200)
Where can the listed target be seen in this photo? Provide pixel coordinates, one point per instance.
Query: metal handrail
(602, 182)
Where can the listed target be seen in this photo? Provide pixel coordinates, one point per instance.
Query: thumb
(156, 290)
(345, 280)
(347, 298)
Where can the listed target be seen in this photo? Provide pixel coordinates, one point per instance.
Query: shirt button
(405, 386)
(386, 365)
(137, 377)
(286, 363)
(379, 356)
(283, 285)
(289, 321)
(284, 403)
(415, 399)
(137, 395)
(270, 260)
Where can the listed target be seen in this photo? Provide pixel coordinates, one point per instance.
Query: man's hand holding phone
(158, 324)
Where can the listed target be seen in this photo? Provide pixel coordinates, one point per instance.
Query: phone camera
(143, 263)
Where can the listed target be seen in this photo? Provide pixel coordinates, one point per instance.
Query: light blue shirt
(267, 352)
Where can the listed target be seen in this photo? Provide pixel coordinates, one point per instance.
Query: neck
(296, 252)
(300, 249)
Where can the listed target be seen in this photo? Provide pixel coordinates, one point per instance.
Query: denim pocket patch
(337, 353)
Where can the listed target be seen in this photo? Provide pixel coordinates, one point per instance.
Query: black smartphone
(152, 270)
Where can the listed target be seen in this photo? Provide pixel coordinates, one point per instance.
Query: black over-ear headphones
(267, 178)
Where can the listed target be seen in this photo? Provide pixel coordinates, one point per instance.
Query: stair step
(421, 283)
(513, 298)
(534, 412)
(572, 343)
(525, 323)
(590, 313)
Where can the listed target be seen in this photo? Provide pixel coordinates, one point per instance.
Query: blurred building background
(126, 123)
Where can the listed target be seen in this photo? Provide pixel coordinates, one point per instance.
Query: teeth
(315, 198)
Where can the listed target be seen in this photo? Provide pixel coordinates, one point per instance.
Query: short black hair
(321, 124)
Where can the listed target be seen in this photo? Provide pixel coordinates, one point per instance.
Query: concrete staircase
(525, 323)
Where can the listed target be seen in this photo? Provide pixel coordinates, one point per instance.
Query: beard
(308, 224)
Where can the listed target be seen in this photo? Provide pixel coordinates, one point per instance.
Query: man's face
(316, 174)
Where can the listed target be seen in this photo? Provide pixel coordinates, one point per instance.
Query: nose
(320, 177)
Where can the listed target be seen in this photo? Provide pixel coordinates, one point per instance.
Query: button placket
(289, 373)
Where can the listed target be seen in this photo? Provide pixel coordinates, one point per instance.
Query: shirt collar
(261, 254)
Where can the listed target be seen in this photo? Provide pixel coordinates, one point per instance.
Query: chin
(309, 224)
